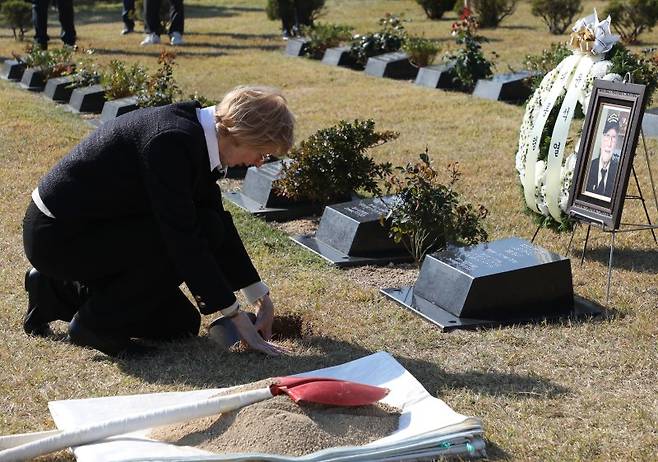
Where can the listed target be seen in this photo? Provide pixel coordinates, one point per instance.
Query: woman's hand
(264, 316)
(251, 337)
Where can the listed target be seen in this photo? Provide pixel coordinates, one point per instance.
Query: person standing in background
(40, 22)
(153, 26)
(128, 16)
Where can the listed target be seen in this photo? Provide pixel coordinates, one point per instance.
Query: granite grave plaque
(512, 87)
(12, 70)
(351, 234)
(437, 76)
(239, 172)
(296, 46)
(339, 56)
(502, 282)
(391, 65)
(116, 107)
(33, 79)
(257, 195)
(88, 99)
(650, 123)
(59, 89)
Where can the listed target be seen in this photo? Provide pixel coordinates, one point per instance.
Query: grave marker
(257, 195)
(512, 87)
(502, 282)
(351, 234)
(391, 65)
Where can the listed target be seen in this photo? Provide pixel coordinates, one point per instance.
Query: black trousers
(117, 274)
(40, 21)
(128, 13)
(152, 16)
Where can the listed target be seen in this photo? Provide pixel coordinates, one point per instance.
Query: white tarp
(426, 422)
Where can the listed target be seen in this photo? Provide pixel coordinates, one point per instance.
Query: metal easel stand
(627, 227)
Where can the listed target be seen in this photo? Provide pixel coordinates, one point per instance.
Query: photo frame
(606, 151)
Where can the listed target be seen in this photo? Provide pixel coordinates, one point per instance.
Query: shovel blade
(328, 391)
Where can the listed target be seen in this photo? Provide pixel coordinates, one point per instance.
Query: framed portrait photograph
(606, 151)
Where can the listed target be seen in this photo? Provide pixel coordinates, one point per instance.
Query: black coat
(592, 179)
(153, 162)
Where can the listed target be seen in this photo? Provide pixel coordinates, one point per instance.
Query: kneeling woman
(134, 210)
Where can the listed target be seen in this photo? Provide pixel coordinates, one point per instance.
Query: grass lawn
(581, 391)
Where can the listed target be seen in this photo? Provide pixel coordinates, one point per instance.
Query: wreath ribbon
(560, 134)
(567, 67)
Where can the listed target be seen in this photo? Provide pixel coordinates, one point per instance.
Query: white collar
(206, 118)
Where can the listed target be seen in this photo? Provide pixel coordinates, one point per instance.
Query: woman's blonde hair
(256, 116)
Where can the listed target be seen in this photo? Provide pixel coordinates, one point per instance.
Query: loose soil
(279, 426)
(297, 227)
(382, 277)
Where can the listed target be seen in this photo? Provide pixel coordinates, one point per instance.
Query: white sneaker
(151, 39)
(176, 38)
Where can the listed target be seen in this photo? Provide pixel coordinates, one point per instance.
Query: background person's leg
(152, 17)
(65, 12)
(40, 22)
(128, 16)
(176, 17)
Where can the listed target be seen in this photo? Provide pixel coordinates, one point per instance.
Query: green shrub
(18, 16)
(545, 62)
(389, 39)
(294, 13)
(119, 80)
(331, 164)
(469, 61)
(87, 72)
(632, 17)
(428, 215)
(161, 88)
(323, 36)
(434, 9)
(557, 14)
(52, 63)
(491, 12)
(421, 51)
(643, 68)
(203, 101)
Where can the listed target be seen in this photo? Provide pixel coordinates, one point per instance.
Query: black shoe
(127, 30)
(38, 313)
(82, 335)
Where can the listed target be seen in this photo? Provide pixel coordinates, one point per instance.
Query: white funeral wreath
(546, 183)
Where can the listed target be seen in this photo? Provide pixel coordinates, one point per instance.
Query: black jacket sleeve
(171, 168)
(233, 259)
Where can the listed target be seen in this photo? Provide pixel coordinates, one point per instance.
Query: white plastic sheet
(425, 421)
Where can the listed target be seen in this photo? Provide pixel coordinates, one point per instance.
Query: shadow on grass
(155, 52)
(236, 35)
(197, 362)
(236, 47)
(495, 452)
(638, 260)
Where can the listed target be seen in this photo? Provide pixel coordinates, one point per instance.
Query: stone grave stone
(391, 65)
(33, 79)
(436, 76)
(239, 172)
(12, 70)
(296, 46)
(88, 99)
(339, 56)
(116, 107)
(59, 88)
(512, 87)
(351, 234)
(503, 282)
(257, 195)
(650, 123)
